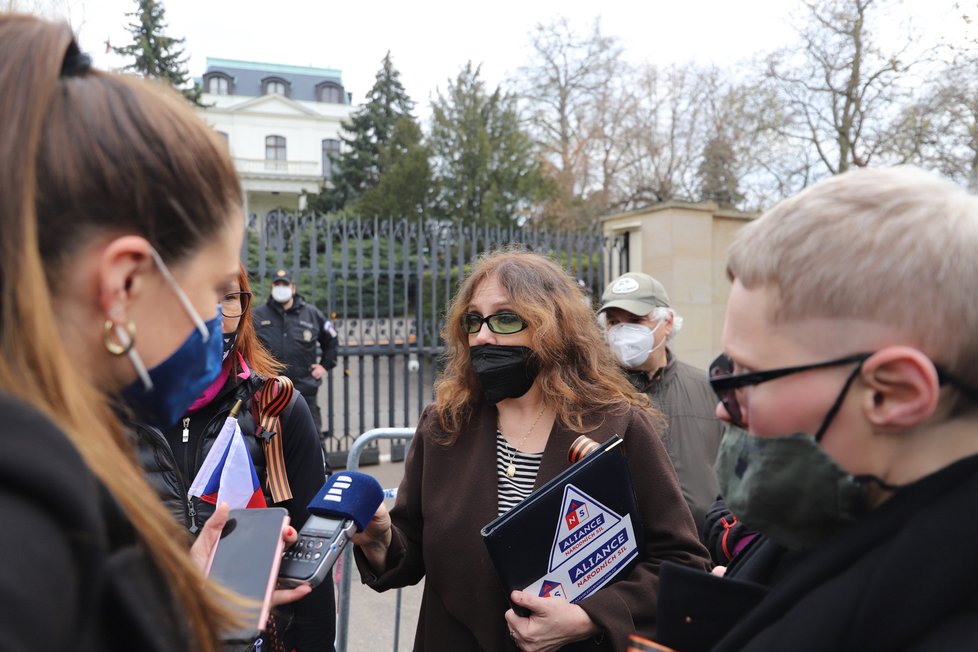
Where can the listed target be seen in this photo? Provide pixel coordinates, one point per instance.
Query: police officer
(290, 328)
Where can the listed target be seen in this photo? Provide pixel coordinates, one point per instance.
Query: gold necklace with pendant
(511, 468)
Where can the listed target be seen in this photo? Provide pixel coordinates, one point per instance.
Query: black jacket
(74, 575)
(724, 534)
(292, 335)
(171, 465)
(903, 578)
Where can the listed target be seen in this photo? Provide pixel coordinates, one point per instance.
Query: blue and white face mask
(161, 395)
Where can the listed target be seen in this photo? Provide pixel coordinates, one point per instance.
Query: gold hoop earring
(116, 348)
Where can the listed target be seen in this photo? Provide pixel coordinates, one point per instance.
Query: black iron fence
(386, 285)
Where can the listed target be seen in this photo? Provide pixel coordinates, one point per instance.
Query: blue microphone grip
(348, 494)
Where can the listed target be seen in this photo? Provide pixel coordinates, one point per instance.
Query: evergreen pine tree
(155, 54)
(361, 164)
(404, 186)
(718, 180)
(486, 168)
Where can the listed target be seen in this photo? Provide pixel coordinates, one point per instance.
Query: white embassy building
(281, 123)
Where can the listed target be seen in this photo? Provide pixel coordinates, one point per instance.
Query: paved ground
(372, 614)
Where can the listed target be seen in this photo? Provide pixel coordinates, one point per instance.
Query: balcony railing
(290, 168)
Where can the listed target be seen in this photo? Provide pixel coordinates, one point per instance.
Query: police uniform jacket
(292, 336)
(449, 493)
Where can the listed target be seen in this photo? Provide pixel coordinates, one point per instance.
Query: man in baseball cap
(639, 323)
(282, 276)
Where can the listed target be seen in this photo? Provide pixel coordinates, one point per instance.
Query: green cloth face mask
(787, 487)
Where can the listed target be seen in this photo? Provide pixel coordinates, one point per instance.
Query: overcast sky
(430, 40)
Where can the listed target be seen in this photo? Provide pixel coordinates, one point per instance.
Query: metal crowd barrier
(348, 565)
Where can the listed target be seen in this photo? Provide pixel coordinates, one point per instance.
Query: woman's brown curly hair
(578, 375)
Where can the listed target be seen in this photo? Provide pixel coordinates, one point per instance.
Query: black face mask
(229, 340)
(503, 371)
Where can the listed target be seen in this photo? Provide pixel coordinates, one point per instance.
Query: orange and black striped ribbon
(638, 644)
(273, 398)
(581, 448)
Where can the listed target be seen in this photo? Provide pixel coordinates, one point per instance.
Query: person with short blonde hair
(848, 386)
(891, 248)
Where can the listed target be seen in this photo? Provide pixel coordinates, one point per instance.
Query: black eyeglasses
(725, 384)
(234, 304)
(500, 323)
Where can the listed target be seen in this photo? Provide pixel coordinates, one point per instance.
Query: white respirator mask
(632, 344)
(281, 293)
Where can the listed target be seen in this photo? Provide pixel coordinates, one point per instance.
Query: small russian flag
(228, 474)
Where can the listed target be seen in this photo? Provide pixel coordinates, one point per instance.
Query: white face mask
(632, 344)
(281, 293)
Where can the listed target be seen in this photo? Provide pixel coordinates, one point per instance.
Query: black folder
(575, 534)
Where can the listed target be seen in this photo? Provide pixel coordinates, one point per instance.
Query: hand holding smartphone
(246, 560)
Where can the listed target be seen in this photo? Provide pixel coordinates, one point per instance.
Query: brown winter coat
(449, 493)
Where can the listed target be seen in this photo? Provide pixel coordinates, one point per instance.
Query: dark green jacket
(692, 433)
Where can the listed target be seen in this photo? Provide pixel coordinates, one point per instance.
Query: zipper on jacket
(177, 473)
(193, 516)
(194, 526)
(198, 454)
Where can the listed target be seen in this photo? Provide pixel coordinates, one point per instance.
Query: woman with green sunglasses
(526, 372)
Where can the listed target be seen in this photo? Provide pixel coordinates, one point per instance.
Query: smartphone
(321, 541)
(246, 560)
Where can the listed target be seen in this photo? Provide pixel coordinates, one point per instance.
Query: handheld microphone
(345, 504)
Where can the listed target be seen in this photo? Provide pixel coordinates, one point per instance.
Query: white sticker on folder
(592, 544)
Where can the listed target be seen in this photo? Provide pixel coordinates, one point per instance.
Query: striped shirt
(513, 490)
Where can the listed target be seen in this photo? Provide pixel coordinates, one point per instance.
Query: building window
(330, 92)
(217, 84)
(330, 146)
(275, 153)
(274, 86)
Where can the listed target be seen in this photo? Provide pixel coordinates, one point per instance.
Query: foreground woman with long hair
(121, 224)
